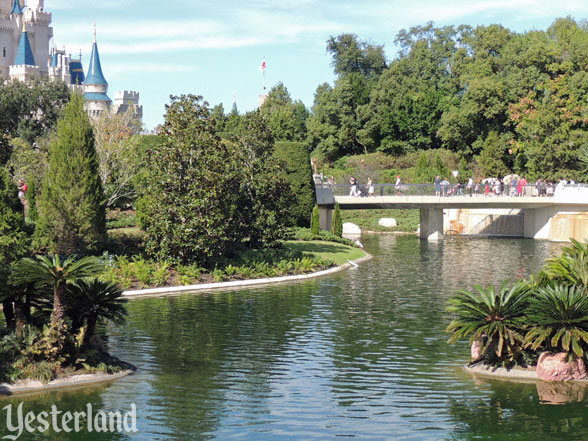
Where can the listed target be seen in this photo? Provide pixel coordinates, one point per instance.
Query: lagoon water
(360, 354)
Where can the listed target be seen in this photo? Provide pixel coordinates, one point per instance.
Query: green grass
(335, 252)
(367, 220)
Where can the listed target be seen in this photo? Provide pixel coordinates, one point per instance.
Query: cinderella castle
(25, 33)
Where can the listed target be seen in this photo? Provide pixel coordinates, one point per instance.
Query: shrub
(337, 224)
(558, 319)
(72, 216)
(299, 174)
(314, 221)
(495, 318)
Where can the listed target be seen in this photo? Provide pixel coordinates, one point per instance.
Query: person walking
(354, 190)
(398, 183)
(370, 186)
(437, 182)
(470, 185)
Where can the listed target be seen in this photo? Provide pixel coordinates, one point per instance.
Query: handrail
(445, 190)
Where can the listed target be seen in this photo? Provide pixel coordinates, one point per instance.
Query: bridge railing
(446, 190)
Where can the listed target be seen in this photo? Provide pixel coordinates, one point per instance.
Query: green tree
(72, 215)
(33, 213)
(558, 319)
(497, 319)
(29, 111)
(314, 221)
(90, 300)
(285, 118)
(118, 154)
(56, 274)
(205, 199)
(264, 198)
(299, 175)
(337, 223)
(13, 239)
(491, 161)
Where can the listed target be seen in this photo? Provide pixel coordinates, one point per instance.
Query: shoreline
(220, 286)
(35, 386)
(516, 374)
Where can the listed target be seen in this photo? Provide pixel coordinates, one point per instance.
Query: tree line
(502, 101)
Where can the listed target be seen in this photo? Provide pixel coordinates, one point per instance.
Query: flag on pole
(263, 66)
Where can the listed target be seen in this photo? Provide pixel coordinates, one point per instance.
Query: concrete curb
(514, 374)
(31, 386)
(205, 287)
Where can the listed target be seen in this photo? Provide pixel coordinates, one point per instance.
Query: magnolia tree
(204, 198)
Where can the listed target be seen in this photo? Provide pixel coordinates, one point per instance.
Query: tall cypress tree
(72, 214)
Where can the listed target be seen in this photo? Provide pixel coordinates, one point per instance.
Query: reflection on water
(359, 354)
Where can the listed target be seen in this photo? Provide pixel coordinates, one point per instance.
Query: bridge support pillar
(431, 224)
(325, 218)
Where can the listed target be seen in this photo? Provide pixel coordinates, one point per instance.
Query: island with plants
(108, 210)
(539, 324)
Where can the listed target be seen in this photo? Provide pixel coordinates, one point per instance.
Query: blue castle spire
(95, 75)
(24, 53)
(16, 8)
(95, 85)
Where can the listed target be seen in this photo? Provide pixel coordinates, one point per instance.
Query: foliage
(29, 111)
(558, 319)
(71, 204)
(120, 219)
(89, 300)
(285, 118)
(337, 223)
(299, 176)
(32, 214)
(13, 239)
(204, 198)
(314, 221)
(55, 273)
(495, 318)
(118, 153)
(568, 269)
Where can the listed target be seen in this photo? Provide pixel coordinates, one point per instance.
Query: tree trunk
(20, 316)
(8, 310)
(90, 330)
(58, 314)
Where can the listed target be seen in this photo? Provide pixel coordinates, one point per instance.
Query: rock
(476, 350)
(554, 366)
(560, 393)
(387, 222)
(434, 237)
(349, 228)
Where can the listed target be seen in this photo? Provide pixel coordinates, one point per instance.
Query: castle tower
(40, 33)
(10, 30)
(24, 68)
(234, 109)
(95, 86)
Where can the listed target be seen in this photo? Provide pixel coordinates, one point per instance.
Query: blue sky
(212, 48)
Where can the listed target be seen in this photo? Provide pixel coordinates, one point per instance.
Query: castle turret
(95, 86)
(24, 68)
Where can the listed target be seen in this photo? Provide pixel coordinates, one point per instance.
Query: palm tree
(558, 316)
(91, 299)
(495, 318)
(55, 273)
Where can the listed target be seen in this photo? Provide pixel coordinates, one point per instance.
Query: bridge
(538, 210)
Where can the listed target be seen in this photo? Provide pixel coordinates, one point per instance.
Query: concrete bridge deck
(538, 211)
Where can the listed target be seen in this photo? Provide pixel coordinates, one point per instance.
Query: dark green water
(361, 354)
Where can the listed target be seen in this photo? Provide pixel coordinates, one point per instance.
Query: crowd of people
(511, 185)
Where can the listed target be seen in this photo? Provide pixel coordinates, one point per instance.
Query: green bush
(299, 174)
(314, 221)
(337, 224)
